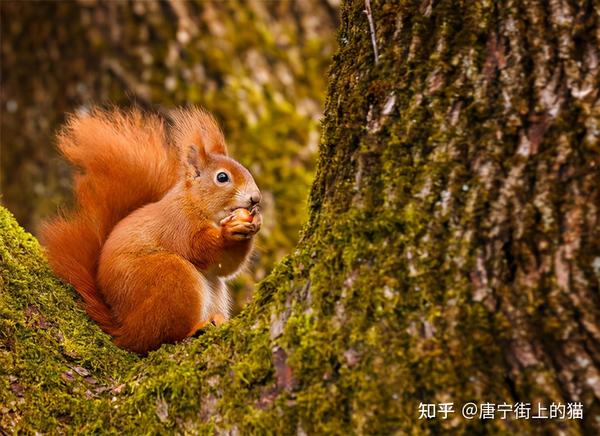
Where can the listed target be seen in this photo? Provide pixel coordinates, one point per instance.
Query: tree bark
(451, 254)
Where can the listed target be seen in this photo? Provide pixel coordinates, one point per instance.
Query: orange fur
(153, 235)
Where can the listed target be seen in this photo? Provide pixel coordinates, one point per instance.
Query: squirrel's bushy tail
(124, 162)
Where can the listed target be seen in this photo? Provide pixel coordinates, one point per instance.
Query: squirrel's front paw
(237, 228)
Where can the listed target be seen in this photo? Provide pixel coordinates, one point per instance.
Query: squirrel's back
(124, 161)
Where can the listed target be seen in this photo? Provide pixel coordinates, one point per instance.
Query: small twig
(372, 28)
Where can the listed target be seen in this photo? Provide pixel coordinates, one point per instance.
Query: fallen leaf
(18, 389)
(81, 371)
(67, 376)
(162, 410)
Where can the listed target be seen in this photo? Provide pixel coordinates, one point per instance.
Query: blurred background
(259, 66)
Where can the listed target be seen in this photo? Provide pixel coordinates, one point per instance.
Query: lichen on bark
(451, 252)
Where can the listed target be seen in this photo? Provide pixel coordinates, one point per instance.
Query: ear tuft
(196, 126)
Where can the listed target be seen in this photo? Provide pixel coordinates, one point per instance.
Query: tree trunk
(451, 254)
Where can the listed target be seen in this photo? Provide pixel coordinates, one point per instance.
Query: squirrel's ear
(195, 158)
(195, 125)
(216, 146)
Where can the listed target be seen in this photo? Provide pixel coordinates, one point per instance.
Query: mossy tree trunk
(452, 250)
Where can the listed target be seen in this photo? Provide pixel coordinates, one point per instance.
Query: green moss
(56, 367)
(58, 370)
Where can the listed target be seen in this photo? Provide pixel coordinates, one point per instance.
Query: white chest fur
(215, 296)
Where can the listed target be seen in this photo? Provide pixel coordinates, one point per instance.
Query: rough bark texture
(451, 253)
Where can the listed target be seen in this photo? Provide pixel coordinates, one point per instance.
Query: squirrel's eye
(222, 177)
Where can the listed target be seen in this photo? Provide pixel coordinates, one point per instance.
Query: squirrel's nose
(255, 198)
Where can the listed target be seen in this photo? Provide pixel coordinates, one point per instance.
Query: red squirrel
(163, 217)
